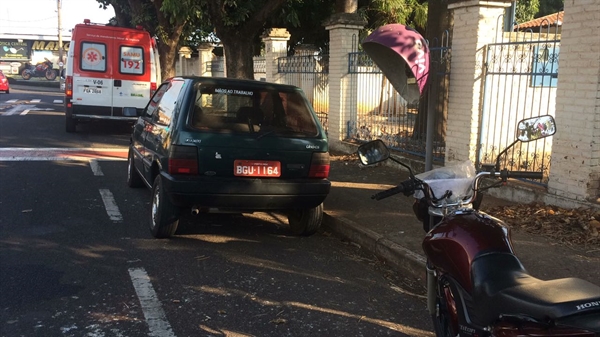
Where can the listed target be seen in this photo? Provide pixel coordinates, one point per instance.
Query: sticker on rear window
(233, 92)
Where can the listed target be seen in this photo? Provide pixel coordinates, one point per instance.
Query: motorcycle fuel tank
(461, 236)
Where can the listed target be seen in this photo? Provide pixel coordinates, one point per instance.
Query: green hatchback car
(206, 144)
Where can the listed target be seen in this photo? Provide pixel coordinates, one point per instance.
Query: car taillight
(152, 88)
(3, 79)
(183, 160)
(319, 165)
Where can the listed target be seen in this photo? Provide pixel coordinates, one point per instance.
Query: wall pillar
(205, 56)
(275, 40)
(475, 26)
(575, 163)
(184, 53)
(344, 28)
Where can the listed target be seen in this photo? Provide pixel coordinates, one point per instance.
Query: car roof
(236, 82)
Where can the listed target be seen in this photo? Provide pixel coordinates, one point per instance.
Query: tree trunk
(167, 51)
(346, 6)
(238, 40)
(238, 51)
(438, 21)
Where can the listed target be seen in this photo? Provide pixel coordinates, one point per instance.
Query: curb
(35, 83)
(397, 256)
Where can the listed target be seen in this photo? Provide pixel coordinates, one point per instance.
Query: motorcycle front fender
(452, 245)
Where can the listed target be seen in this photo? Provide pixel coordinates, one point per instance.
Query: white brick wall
(341, 102)
(575, 166)
(474, 27)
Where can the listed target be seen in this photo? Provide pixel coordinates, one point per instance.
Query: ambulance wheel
(70, 124)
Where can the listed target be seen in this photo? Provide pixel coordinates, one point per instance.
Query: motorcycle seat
(502, 287)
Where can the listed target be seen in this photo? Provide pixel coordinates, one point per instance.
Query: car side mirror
(535, 128)
(373, 152)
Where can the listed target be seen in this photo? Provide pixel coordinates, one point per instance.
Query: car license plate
(92, 90)
(256, 168)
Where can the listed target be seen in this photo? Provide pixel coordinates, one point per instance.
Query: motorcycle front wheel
(26, 74)
(444, 323)
(50, 74)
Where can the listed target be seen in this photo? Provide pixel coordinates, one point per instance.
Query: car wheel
(306, 221)
(164, 216)
(134, 179)
(70, 124)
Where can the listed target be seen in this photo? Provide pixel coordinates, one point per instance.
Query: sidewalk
(41, 83)
(389, 229)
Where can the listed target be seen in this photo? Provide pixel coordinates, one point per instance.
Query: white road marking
(153, 311)
(111, 206)
(56, 154)
(24, 113)
(57, 101)
(12, 101)
(35, 100)
(96, 167)
(17, 109)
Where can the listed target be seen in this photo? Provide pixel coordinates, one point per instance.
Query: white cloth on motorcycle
(502, 286)
(456, 178)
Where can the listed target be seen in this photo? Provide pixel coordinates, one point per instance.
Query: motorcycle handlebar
(525, 174)
(388, 193)
(406, 187)
(409, 186)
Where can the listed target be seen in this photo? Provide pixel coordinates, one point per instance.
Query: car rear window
(263, 111)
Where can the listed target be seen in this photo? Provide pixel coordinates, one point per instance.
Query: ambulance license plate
(92, 90)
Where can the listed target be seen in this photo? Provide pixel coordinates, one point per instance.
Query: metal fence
(399, 119)
(311, 73)
(216, 66)
(260, 68)
(521, 72)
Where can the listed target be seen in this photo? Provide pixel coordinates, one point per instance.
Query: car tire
(164, 216)
(306, 222)
(70, 124)
(134, 180)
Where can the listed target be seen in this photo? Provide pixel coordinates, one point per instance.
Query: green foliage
(408, 12)
(304, 23)
(550, 6)
(526, 10)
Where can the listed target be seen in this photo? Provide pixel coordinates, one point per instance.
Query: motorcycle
(42, 69)
(476, 285)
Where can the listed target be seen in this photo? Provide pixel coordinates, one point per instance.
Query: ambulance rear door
(132, 84)
(92, 84)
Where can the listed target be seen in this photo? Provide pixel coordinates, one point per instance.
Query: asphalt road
(77, 257)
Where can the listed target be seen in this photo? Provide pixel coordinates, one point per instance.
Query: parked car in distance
(227, 145)
(4, 86)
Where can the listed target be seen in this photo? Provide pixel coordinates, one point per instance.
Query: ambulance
(109, 70)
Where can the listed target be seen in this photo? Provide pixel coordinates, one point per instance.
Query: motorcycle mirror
(535, 128)
(373, 152)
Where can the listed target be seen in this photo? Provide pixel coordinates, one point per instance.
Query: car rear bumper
(252, 194)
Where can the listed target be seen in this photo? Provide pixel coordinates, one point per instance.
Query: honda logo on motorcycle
(588, 305)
